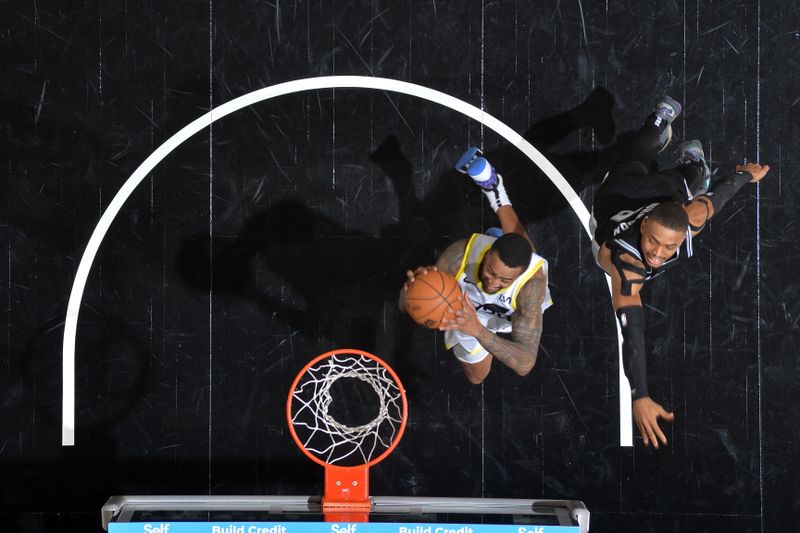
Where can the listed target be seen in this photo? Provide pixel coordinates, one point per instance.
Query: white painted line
(281, 89)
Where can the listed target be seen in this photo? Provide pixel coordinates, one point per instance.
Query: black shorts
(629, 186)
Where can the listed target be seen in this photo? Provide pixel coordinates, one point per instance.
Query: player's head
(505, 261)
(663, 231)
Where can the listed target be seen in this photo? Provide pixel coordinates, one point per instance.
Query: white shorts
(465, 347)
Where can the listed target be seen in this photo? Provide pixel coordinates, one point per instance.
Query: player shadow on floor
(340, 286)
(455, 207)
(308, 274)
(302, 268)
(532, 192)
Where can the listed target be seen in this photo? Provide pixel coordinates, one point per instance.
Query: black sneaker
(666, 111)
(692, 152)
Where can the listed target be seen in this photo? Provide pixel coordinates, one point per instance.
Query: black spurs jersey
(622, 234)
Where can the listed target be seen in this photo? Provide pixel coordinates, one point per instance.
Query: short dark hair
(671, 215)
(513, 249)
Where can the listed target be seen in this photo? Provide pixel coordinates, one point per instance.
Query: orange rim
(362, 353)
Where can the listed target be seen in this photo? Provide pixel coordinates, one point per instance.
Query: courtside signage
(329, 527)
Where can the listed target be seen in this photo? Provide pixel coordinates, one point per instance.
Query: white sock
(497, 196)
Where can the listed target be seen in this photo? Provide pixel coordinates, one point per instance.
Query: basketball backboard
(304, 514)
(346, 411)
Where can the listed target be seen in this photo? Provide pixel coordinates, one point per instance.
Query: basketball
(432, 297)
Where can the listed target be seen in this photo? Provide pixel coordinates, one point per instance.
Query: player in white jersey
(504, 284)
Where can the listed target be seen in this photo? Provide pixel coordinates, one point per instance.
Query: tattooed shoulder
(532, 294)
(451, 258)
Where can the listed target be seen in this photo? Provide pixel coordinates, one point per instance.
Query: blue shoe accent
(483, 174)
(467, 158)
(478, 168)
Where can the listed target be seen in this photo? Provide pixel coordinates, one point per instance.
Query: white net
(342, 442)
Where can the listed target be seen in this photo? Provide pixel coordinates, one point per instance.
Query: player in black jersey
(644, 222)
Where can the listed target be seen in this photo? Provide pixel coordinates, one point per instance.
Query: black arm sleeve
(723, 190)
(631, 321)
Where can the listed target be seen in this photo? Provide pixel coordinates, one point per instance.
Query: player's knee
(475, 374)
(475, 380)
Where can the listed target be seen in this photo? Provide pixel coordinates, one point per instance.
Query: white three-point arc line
(281, 89)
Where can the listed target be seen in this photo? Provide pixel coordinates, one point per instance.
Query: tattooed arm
(451, 258)
(518, 353)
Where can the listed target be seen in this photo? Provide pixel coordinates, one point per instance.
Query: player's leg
(632, 177)
(483, 174)
(655, 134)
(474, 359)
(692, 174)
(473, 164)
(692, 166)
(477, 372)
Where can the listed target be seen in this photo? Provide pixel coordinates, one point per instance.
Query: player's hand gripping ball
(433, 296)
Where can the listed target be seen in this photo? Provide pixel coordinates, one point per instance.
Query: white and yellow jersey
(494, 310)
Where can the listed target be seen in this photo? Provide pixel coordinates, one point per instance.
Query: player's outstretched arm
(709, 204)
(626, 281)
(518, 353)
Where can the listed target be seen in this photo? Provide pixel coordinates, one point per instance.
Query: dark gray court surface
(284, 230)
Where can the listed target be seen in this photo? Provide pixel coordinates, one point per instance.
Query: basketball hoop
(333, 386)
